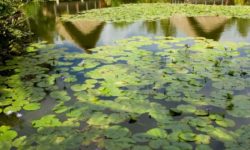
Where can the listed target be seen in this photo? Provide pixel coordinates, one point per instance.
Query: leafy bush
(5, 7)
(12, 34)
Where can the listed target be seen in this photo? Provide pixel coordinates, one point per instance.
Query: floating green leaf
(32, 106)
(115, 132)
(187, 136)
(6, 134)
(47, 121)
(155, 11)
(60, 95)
(157, 133)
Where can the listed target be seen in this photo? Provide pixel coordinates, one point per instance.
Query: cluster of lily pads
(156, 11)
(140, 93)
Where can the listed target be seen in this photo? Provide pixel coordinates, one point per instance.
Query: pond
(46, 24)
(175, 83)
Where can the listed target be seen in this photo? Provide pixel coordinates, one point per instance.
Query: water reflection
(208, 27)
(243, 26)
(83, 34)
(45, 23)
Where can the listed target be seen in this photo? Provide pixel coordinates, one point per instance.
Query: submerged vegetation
(156, 11)
(193, 92)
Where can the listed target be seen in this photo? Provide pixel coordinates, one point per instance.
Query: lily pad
(203, 147)
(202, 139)
(141, 137)
(186, 136)
(32, 106)
(46, 121)
(6, 134)
(60, 95)
(157, 133)
(186, 108)
(115, 132)
(155, 11)
(225, 123)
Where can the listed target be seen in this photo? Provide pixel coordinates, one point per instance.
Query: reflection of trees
(163, 25)
(167, 27)
(192, 26)
(121, 25)
(41, 22)
(243, 26)
(151, 26)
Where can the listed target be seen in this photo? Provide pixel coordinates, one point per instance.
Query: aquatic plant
(140, 93)
(156, 11)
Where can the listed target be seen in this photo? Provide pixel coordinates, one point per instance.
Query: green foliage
(6, 137)
(6, 7)
(13, 34)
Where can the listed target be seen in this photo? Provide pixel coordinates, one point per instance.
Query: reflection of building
(46, 23)
(210, 27)
(85, 34)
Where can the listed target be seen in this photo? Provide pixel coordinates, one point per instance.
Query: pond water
(80, 88)
(45, 23)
